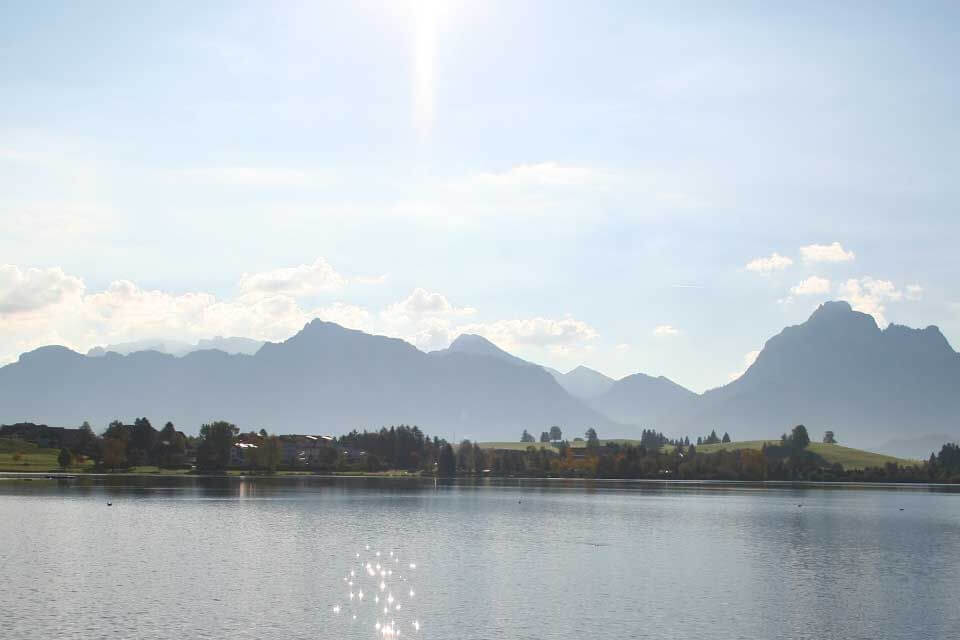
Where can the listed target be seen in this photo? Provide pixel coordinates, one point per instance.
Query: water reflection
(278, 557)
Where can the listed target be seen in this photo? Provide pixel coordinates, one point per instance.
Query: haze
(654, 188)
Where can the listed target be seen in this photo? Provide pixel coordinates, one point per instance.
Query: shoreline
(475, 480)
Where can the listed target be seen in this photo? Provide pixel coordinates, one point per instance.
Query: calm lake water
(268, 558)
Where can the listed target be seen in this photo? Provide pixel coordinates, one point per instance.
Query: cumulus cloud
(665, 331)
(300, 281)
(826, 253)
(814, 285)
(47, 306)
(422, 302)
(773, 262)
(870, 296)
(558, 335)
(28, 289)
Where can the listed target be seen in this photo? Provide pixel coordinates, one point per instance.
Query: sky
(637, 187)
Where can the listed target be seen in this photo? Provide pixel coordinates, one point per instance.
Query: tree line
(408, 448)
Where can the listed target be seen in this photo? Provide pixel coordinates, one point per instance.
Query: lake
(272, 558)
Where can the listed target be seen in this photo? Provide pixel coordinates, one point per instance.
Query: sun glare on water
(386, 616)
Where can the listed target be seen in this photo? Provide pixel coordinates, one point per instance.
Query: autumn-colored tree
(114, 453)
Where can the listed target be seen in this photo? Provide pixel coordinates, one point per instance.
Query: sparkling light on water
(385, 616)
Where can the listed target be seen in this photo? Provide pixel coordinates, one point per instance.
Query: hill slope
(833, 453)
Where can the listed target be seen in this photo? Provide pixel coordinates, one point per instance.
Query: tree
(170, 448)
(118, 431)
(829, 438)
(726, 437)
(798, 438)
(267, 456)
(555, 434)
(65, 458)
(143, 442)
(447, 462)
(526, 437)
(86, 440)
(544, 436)
(216, 441)
(114, 453)
(593, 441)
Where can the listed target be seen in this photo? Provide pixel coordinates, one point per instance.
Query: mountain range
(180, 348)
(838, 370)
(324, 379)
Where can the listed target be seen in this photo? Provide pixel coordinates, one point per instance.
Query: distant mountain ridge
(839, 370)
(646, 401)
(323, 379)
(583, 382)
(247, 346)
(836, 371)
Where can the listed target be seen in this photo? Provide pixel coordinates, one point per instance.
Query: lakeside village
(221, 448)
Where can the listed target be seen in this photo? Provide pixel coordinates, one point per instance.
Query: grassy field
(516, 446)
(832, 453)
(16, 455)
(522, 446)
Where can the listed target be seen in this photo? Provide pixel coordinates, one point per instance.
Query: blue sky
(580, 182)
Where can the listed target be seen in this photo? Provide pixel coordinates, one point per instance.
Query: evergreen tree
(447, 462)
(592, 440)
(65, 458)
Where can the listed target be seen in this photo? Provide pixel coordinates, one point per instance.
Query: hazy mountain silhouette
(323, 379)
(839, 371)
(479, 346)
(646, 401)
(583, 382)
(835, 371)
(248, 346)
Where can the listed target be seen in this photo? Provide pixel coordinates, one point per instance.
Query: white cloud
(558, 335)
(665, 331)
(826, 253)
(870, 296)
(773, 262)
(29, 289)
(748, 359)
(303, 280)
(622, 348)
(814, 285)
(914, 292)
(47, 306)
(423, 303)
